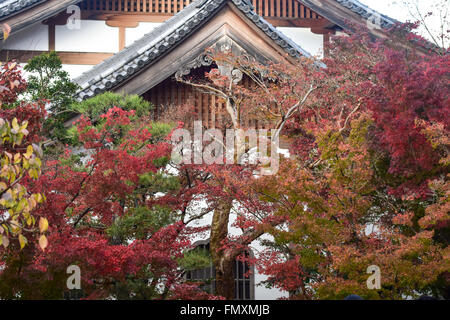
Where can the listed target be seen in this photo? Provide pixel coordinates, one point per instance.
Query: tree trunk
(223, 261)
(225, 280)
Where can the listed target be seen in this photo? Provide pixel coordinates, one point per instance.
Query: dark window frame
(244, 286)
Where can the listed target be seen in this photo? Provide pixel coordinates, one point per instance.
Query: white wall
(93, 36)
(34, 37)
(311, 42)
(133, 34)
(76, 70)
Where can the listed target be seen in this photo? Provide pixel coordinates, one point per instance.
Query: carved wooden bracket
(225, 44)
(200, 61)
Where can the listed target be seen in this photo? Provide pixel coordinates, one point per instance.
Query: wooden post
(122, 36)
(51, 37)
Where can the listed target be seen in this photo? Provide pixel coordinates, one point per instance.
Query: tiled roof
(9, 7)
(145, 51)
(367, 13)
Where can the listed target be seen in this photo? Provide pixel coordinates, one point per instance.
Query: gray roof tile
(367, 13)
(10, 7)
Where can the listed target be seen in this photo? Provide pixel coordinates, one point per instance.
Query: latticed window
(136, 6)
(243, 281)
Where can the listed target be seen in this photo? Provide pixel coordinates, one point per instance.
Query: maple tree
(105, 217)
(369, 181)
(277, 92)
(356, 123)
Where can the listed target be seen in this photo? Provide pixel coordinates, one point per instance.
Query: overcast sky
(395, 9)
(389, 8)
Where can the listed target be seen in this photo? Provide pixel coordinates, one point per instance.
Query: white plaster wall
(311, 42)
(133, 34)
(34, 37)
(76, 70)
(93, 36)
(261, 292)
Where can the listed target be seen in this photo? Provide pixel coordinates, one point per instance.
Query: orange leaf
(43, 242)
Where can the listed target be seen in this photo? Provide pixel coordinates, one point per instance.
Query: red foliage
(12, 84)
(84, 201)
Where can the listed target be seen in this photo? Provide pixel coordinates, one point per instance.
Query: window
(244, 283)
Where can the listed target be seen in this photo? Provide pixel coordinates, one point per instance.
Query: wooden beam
(59, 19)
(135, 17)
(115, 22)
(299, 23)
(51, 37)
(322, 30)
(326, 42)
(83, 58)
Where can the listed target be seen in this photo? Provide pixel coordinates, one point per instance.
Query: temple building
(139, 46)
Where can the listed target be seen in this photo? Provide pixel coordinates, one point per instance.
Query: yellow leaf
(15, 226)
(43, 224)
(29, 220)
(23, 204)
(5, 227)
(17, 158)
(5, 241)
(6, 31)
(38, 196)
(15, 125)
(43, 242)
(22, 241)
(29, 152)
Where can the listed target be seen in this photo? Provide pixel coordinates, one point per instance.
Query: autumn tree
(107, 216)
(367, 185)
(20, 162)
(353, 121)
(276, 93)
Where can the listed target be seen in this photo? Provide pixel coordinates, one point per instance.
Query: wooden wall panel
(266, 8)
(83, 58)
(170, 96)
